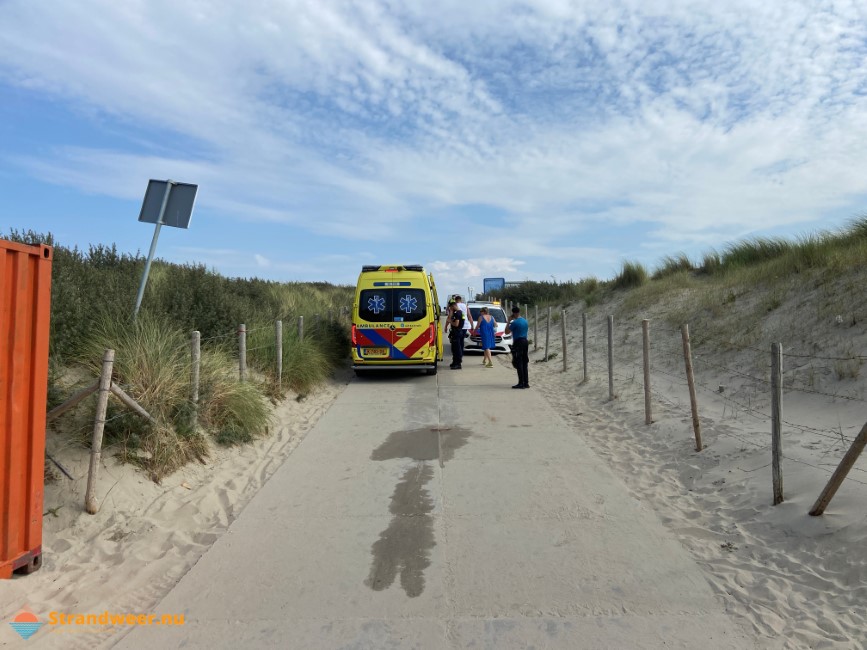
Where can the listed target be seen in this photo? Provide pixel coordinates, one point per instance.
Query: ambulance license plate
(376, 352)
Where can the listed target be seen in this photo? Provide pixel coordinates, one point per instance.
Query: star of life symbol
(408, 304)
(376, 304)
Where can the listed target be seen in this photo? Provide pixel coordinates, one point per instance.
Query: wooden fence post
(777, 420)
(547, 331)
(90, 502)
(645, 330)
(242, 351)
(527, 317)
(196, 346)
(300, 328)
(279, 334)
(72, 401)
(610, 357)
(536, 328)
(687, 358)
(840, 473)
(563, 333)
(584, 342)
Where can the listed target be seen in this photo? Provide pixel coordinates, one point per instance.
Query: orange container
(25, 303)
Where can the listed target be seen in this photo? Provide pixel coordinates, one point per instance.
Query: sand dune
(800, 578)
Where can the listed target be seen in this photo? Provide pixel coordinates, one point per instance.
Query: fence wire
(671, 351)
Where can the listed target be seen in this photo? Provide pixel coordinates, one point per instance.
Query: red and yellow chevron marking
(402, 342)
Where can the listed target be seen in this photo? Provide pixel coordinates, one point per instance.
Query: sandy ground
(798, 578)
(145, 536)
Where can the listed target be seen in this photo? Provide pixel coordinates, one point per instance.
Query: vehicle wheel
(362, 373)
(432, 371)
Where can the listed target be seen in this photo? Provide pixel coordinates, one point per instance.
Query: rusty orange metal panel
(25, 304)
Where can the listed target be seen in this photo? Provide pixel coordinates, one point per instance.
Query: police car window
(498, 314)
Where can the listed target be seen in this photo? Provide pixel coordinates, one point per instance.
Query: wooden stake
(645, 330)
(547, 332)
(196, 352)
(611, 357)
(279, 335)
(687, 358)
(300, 328)
(584, 342)
(777, 420)
(130, 402)
(536, 328)
(90, 502)
(242, 351)
(72, 401)
(563, 333)
(840, 473)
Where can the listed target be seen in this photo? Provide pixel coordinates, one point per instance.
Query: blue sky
(483, 139)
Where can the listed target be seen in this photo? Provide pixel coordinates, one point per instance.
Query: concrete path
(444, 512)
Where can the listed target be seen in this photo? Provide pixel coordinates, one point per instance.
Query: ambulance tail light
(432, 333)
(354, 336)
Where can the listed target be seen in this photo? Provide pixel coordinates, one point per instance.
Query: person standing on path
(519, 327)
(449, 310)
(468, 322)
(456, 337)
(487, 326)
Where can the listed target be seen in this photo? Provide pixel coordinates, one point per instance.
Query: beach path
(446, 511)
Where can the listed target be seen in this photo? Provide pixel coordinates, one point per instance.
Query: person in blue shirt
(518, 328)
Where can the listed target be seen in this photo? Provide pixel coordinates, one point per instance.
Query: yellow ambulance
(395, 320)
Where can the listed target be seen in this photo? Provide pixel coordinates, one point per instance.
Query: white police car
(503, 341)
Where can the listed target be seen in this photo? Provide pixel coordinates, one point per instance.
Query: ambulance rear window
(392, 305)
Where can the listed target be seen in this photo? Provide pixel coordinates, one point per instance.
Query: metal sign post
(175, 209)
(147, 268)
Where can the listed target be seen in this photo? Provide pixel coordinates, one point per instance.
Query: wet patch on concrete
(422, 444)
(404, 547)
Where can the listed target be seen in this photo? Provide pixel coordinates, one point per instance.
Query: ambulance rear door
(375, 330)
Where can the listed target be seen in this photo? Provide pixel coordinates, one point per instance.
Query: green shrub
(234, 411)
(532, 292)
(93, 296)
(305, 364)
(671, 265)
(711, 263)
(632, 274)
(754, 251)
(152, 364)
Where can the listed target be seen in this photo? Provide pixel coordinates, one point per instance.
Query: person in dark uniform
(518, 328)
(456, 336)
